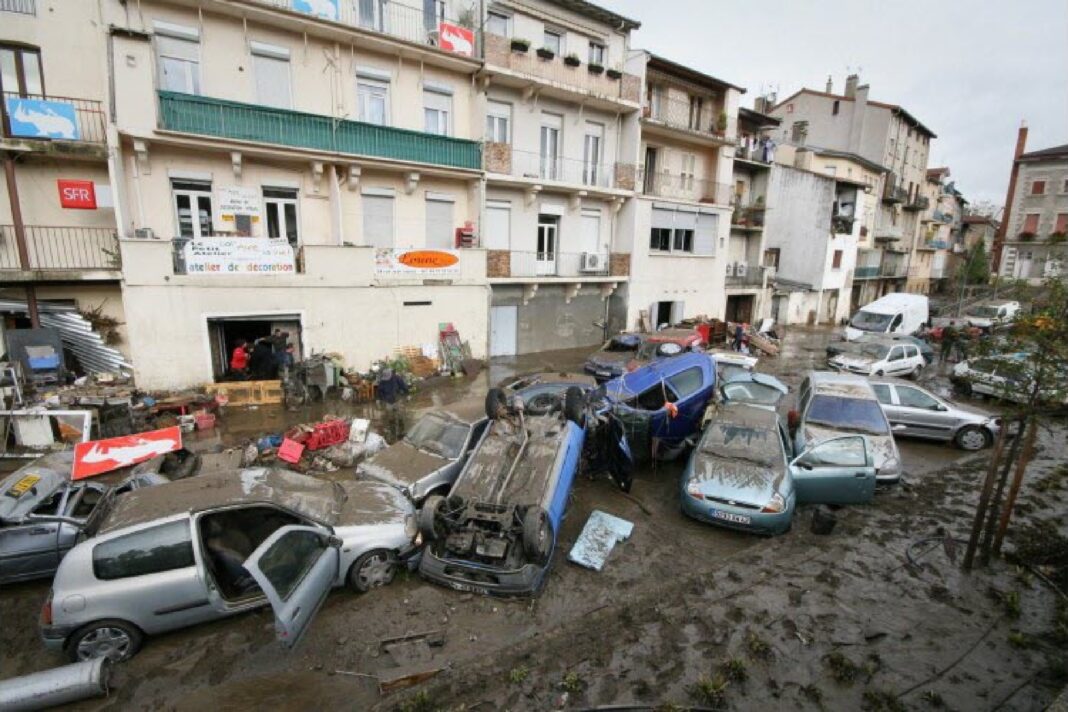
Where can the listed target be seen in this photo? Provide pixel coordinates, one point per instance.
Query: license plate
(23, 486)
(731, 517)
(466, 588)
(606, 374)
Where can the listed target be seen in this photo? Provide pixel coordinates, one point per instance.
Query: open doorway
(225, 333)
(666, 313)
(740, 308)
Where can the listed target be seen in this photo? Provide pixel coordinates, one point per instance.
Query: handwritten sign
(239, 255)
(234, 202)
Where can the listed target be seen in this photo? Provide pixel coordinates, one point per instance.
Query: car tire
(429, 517)
(373, 569)
(879, 373)
(574, 406)
(537, 534)
(495, 403)
(914, 374)
(111, 638)
(973, 437)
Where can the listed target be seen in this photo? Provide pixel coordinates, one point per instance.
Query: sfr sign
(77, 194)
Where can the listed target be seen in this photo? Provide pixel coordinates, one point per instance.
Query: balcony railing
(918, 202)
(673, 185)
(889, 232)
(61, 248)
(396, 19)
(705, 119)
(894, 194)
(499, 53)
(748, 216)
(60, 118)
(748, 276)
(502, 264)
(23, 7)
(206, 116)
(893, 268)
(866, 272)
(755, 153)
(842, 224)
(502, 158)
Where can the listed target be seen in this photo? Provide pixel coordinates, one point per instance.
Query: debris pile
(326, 446)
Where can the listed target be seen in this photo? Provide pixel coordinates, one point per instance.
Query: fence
(683, 187)
(90, 122)
(61, 248)
(527, 164)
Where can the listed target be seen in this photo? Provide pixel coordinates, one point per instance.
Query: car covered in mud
(835, 404)
(43, 513)
(219, 544)
(877, 357)
(918, 413)
(666, 343)
(743, 474)
(429, 457)
(611, 359)
(545, 390)
(496, 530)
(757, 389)
(1010, 377)
(926, 350)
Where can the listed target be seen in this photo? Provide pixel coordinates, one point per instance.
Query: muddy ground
(683, 614)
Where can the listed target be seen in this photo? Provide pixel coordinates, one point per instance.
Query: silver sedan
(916, 412)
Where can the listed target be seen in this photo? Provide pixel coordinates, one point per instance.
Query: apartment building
(940, 234)
(683, 214)
(562, 103)
(57, 224)
(976, 230)
(303, 166)
(885, 134)
(1032, 242)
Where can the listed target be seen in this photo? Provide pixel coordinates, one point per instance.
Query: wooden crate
(246, 393)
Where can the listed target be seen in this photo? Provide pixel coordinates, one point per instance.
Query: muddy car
(220, 544)
(429, 458)
(496, 531)
(666, 343)
(611, 359)
(43, 513)
(917, 412)
(926, 350)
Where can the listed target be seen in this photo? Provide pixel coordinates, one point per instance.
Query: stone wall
(619, 264)
(498, 263)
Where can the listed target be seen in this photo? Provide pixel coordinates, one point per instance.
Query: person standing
(389, 389)
(949, 342)
(261, 363)
(739, 337)
(239, 360)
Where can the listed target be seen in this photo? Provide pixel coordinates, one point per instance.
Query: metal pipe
(20, 237)
(58, 686)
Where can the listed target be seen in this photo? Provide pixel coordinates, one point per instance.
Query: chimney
(830, 85)
(1003, 228)
(859, 116)
(851, 85)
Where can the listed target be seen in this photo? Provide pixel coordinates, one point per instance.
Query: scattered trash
(290, 451)
(598, 538)
(58, 686)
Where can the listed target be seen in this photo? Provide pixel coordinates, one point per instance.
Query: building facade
(941, 224)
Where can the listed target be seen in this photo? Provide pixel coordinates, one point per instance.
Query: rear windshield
(851, 414)
(869, 321)
(438, 435)
(623, 344)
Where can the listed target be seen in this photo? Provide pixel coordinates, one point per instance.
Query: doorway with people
(268, 342)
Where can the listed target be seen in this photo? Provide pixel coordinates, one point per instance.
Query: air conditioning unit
(740, 269)
(594, 262)
(144, 233)
(730, 269)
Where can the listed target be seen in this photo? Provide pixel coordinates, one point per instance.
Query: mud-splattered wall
(547, 322)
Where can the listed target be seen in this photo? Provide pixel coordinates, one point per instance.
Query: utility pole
(20, 237)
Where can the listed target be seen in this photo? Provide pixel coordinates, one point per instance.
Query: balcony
(663, 184)
(68, 251)
(868, 262)
(704, 121)
(935, 245)
(893, 267)
(502, 159)
(563, 80)
(891, 233)
(204, 116)
(942, 217)
(52, 119)
(842, 224)
(743, 275)
(894, 194)
(517, 264)
(917, 203)
(753, 154)
(748, 216)
(21, 7)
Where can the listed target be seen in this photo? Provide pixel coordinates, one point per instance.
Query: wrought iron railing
(24, 7)
(682, 187)
(749, 215)
(61, 248)
(527, 164)
(42, 116)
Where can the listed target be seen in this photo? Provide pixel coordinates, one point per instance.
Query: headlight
(694, 492)
(889, 467)
(410, 526)
(775, 505)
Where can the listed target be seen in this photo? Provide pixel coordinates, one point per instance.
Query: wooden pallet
(246, 393)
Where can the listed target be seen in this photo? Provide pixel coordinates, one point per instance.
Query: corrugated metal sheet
(77, 335)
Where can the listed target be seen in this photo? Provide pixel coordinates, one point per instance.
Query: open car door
(296, 567)
(835, 471)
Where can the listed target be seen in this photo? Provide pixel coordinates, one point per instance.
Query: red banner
(99, 456)
(455, 38)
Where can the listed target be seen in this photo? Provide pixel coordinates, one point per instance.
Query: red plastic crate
(327, 434)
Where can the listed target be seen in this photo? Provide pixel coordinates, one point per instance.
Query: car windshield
(438, 435)
(742, 441)
(875, 351)
(749, 392)
(870, 321)
(623, 343)
(985, 312)
(651, 350)
(851, 414)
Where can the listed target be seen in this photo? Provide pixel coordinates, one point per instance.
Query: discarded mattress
(598, 538)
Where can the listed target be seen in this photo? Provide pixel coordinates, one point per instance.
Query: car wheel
(374, 569)
(879, 373)
(113, 639)
(573, 406)
(972, 437)
(914, 374)
(495, 403)
(430, 517)
(537, 534)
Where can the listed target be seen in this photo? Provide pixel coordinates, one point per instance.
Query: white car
(991, 314)
(880, 358)
(1009, 377)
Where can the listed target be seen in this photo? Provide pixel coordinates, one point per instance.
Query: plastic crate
(204, 420)
(326, 434)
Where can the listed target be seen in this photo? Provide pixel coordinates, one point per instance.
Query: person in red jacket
(239, 360)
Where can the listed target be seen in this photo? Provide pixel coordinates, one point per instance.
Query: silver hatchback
(215, 545)
(916, 412)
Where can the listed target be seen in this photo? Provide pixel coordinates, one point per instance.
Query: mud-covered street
(683, 614)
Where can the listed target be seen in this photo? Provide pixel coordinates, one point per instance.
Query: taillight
(46, 610)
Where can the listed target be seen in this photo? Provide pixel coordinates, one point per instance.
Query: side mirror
(899, 427)
(942, 408)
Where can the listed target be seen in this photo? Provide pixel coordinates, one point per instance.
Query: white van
(896, 313)
(991, 315)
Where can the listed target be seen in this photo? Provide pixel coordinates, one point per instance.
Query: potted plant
(1058, 237)
(1026, 236)
(615, 74)
(572, 60)
(595, 68)
(721, 121)
(546, 53)
(520, 45)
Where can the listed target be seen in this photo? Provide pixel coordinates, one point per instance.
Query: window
(836, 260)
(592, 172)
(373, 14)
(598, 53)
(686, 173)
(1031, 223)
(280, 205)
(433, 14)
(551, 126)
(270, 70)
(498, 120)
(915, 398)
(834, 107)
(498, 24)
(696, 107)
(687, 382)
(192, 205)
(660, 239)
(1064, 188)
(290, 559)
(882, 392)
(163, 548)
(20, 71)
(178, 57)
(654, 99)
(372, 97)
(436, 109)
(1038, 187)
(498, 232)
(554, 41)
(378, 218)
(771, 257)
(799, 131)
(439, 221)
(896, 354)
(707, 231)
(683, 240)
(840, 452)
(1062, 223)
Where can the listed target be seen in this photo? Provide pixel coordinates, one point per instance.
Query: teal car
(740, 475)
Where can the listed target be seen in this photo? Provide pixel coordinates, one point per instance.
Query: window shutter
(498, 226)
(272, 80)
(591, 231)
(439, 227)
(378, 220)
(663, 218)
(704, 242)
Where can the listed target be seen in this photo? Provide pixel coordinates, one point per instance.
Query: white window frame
(498, 121)
(442, 116)
(171, 32)
(688, 171)
(593, 154)
(272, 53)
(561, 48)
(280, 202)
(372, 87)
(193, 195)
(495, 14)
(598, 53)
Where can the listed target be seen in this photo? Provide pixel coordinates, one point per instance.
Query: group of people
(265, 359)
(954, 343)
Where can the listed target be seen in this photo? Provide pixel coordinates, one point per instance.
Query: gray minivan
(218, 544)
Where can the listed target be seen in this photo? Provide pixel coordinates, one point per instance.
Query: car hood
(369, 503)
(615, 360)
(401, 465)
(733, 479)
(882, 447)
(853, 361)
(49, 473)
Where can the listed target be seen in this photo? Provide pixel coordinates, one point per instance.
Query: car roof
(845, 385)
(52, 471)
(763, 379)
(652, 373)
(313, 498)
(468, 410)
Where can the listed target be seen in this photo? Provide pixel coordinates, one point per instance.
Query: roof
(663, 64)
(757, 118)
(883, 105)
(937, 173)
(596, 12)
(870, 165)
(1046, 154)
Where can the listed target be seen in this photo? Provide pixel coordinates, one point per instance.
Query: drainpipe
(20, 237)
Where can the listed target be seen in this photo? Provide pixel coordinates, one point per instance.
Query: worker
(284, 360)
(239, 360)
(391, 386)
(949, 342)
(261, 363)
(739, 337)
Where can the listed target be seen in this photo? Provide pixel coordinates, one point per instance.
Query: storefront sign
(77, 194)
(239, 255)
(237, 208)
(454, 38)
(37, 118)
(421, 263)
(99, 456)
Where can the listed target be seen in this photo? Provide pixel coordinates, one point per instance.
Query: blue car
(496, 531)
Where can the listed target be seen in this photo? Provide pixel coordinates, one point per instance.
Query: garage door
(503, 330)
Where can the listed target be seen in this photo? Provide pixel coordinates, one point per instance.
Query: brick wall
(498, 263)
(619, 264)
(498, 157)
(625, 176)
